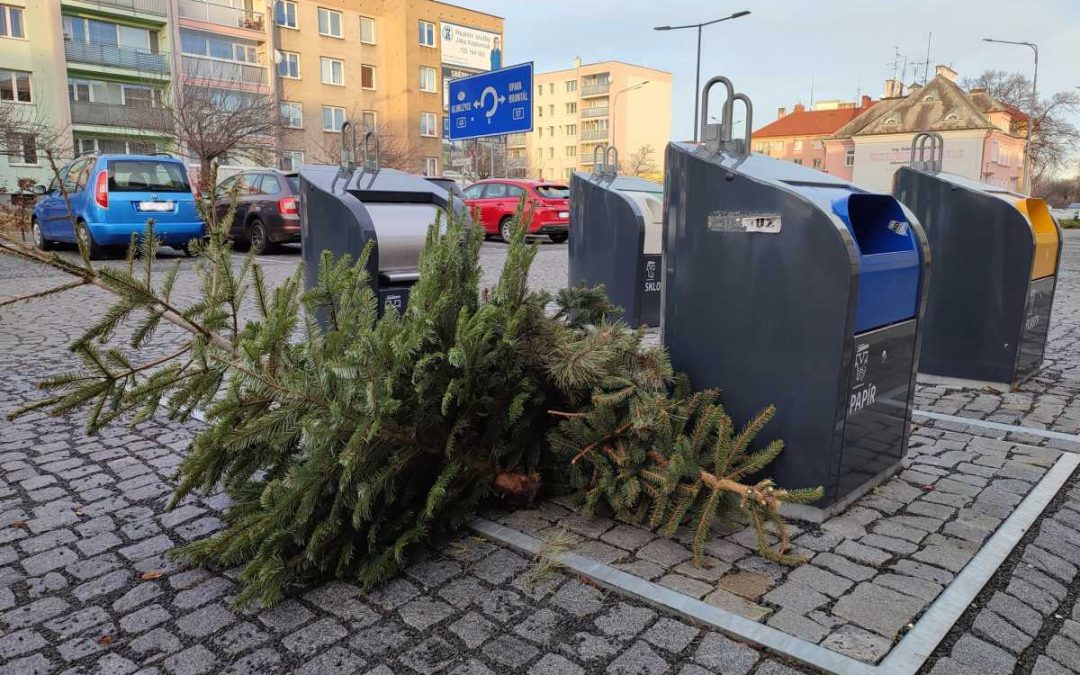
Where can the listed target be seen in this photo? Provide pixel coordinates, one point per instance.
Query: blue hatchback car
(112, 196)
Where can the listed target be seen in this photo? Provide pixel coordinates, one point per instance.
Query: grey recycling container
(342, 208)
(615, 237)
(784, 285)
(996, 255)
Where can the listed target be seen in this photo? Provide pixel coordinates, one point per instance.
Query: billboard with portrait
(470, 47)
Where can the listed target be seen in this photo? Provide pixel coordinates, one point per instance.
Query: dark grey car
(267, 209)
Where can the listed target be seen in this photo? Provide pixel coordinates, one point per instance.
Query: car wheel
(559, 237)
(505, 229)
(39, 239)
(258, 241)
(86, 238)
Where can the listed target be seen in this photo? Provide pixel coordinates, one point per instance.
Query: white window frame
(21, 161)
(15, 87)
(849, 158)
(329, 24)
(434, 87)
(421, 34)
(299, 108)
(295, 157)
(333, 118)
(571, 86)
(325, 61)
(431, 166)
(285, 59)
(6, 10)
(434, 124)
(374, 77)
(373, 35)
(364, 114)
(296, 14)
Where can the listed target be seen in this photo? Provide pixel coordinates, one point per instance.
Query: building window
(849, 158)
(15, 86)
(428, 124)
(292, 114)
(329, 22)
(551, 88)
(551, 109)
(551, 152)
(11, 22)
(367, 76)
(796, 146)
(817, 162)
(551, 131)
(368, 119)
(22, 149)
(571, 151)
(571, 130)
(285, 13)
(431, 166)
(427, 79)
(540, 130)
(332, 118)
(571, 86)
(291, 160)
(571, 107)
(427, 34)
(367, 30)
(289, 66)
(539, 111)
(566, 173)
(332, 71)
(798, 160)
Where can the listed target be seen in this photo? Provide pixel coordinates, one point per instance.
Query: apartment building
(579, 108)
(799, 135)
(381, 64)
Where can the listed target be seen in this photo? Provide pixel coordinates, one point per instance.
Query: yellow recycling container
(1047, 242)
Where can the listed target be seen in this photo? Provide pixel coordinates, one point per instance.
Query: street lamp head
(736, 15)
(662, 28)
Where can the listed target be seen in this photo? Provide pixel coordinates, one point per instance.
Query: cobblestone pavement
(86, 586)
(83, 537)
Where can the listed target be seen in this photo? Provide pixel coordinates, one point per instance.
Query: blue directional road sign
(491, 104)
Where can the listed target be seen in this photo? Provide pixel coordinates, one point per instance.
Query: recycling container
(996, 255)
(784, 285)
(615, 238)
(342, 208)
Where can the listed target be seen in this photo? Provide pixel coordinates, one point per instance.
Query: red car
(494, 202)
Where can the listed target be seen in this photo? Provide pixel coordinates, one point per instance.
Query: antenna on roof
(811, 90)
(926, 69)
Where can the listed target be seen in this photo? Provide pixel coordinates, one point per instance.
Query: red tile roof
(809, 123)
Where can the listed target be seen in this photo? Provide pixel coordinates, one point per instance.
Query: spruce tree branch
(45, 293)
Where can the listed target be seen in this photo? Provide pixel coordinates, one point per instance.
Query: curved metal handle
(611, 165)
(347, 156)
(927, 141)
(729, 107)
(599, 159)
(368, 165)
(745, 150)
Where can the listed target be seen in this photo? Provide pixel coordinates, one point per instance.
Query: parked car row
(112, 197)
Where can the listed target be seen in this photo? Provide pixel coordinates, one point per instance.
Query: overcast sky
(772, 54)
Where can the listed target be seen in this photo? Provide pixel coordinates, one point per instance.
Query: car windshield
(553, 191)
(294, 183)
(147, 175)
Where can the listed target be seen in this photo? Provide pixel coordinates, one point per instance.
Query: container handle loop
(347, 156)
(725, 118)
(599, 156)
(745, 149)
(611, 161)
(369, 163)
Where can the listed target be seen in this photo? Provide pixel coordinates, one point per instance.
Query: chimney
(577, 62)
(780, 112)
(946, 72)
(893, 89)
(799, 107)
(866, 100)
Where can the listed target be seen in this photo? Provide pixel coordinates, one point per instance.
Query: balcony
(595, 89)
(598, 111)
(222, 15)
(594, 135)
(112, 115)
(157, 7)
(515, 141)
(117, 57)
(204, 68)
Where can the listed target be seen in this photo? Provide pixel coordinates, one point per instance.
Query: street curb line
(1001, 426)
(904, 659)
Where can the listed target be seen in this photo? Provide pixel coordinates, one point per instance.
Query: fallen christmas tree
(345, 450)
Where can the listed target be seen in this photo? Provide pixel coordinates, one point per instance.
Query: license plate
(564, 214)
(155, 206)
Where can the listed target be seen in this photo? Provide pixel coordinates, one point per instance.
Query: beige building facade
(579, 108)
(382, 64)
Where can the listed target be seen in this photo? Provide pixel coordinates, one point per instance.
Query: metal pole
(697, 85)
(1028, 167)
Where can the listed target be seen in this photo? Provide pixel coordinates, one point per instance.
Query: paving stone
(205, 621)
(502, 605)
(992, 627)
(642, 568)
(499, 566)
(878, 609)
(685, 585)
(423, 613)
(951, 667)
(919, 588)
(857, 643)
(241, 637)
(460, 593)
(1047, 666)
(843, 567)
(599, 551)
(335, 661)
(285, 616)
(137, 596)
(77, 622)
(209, 590)
(578, 599)
(589, 647)
(472, 667)
(20, 642)
(394, 593)
(949, 557)
(746, 584)
(35, 664)
(1057, 567)
(1063, 650)
(509, 651)
(719, 654)
(432, 573)
(1019, 614)
(34, 613)
(628, 537)
(796, 597)
(820, 580)
(553, 664)
(794, 623)
(624, 621)
(473, 629)
(640, 659)
(315, 636)
(921, 571)
(664, 552)
(156, 642)
(588, 526)
(861, 553)
(380, 639)
(670, 635)
(741, 606)
(1040, 580)
(258, 662)
(983, 656)
(194, 660)
(1035, 597)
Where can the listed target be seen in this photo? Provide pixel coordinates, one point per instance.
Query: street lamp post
(697, 80)
(615, 101)
(1026, 187)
